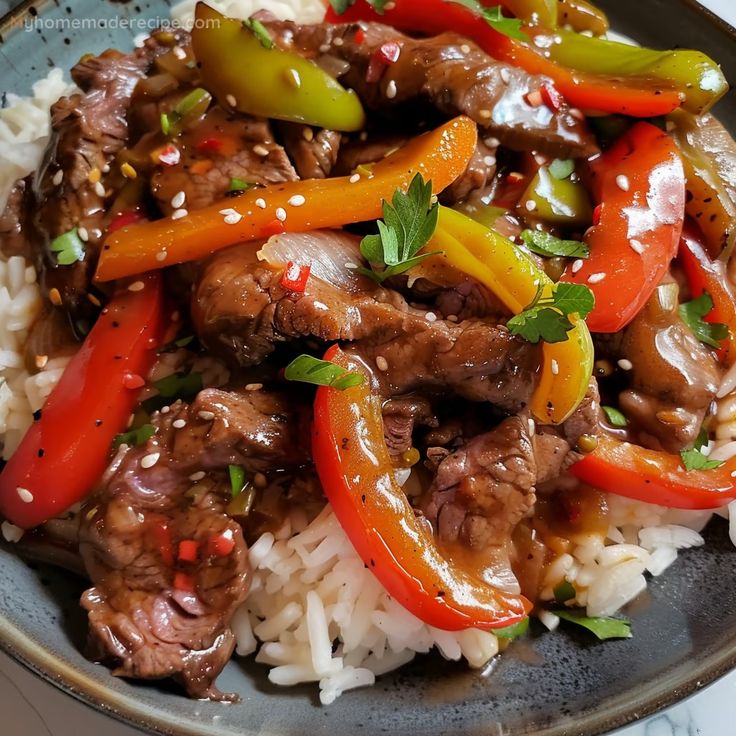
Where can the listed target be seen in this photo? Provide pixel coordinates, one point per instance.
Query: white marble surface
(31, 707)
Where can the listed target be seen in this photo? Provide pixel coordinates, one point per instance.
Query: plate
(549, 685)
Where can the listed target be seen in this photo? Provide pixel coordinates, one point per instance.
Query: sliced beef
(15, 231)
(222, 148)
(452, 75)
(241, 310)
(480, 172)
(483, 489)
(314, 152)
(153, 615)
(400, 417)
(360, 152)
(674, 377)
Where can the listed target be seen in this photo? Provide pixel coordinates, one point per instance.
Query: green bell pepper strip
(695, 75)
(514, 278)
(269, 82)
(537, 12)
(558, 201)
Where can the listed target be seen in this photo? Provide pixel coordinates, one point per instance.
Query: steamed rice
(315, 613)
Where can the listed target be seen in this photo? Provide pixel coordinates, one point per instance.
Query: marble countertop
(32, 707)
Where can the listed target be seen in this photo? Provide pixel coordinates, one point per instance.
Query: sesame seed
(351, 266)
(554, 367)
(260, 202)
(320, 305)
(297, 200)
(577, 114)
(11, 533)
(452, 318)
(430, 317)
(492, 142)
(253, 386)
(58, 177)
(363, 136)
(232, 217)
(178, 200)
(94, 300)
(41, 361)
(489, 161)
(389, 6)
(391, 90)
(338, 41)
(625, 364)
(530, 205)
(106, 169)
(99, 189)
(307, 134)
(280, 214)
(148, 461)
(465, 48)
(505, 75)
(178, 214)
(164, 410)
(197, 476)
(83, 234)
(532, 427)
(637, 246)
(260, 150)
(179, 423)
(230, 99)
(25, 495)
(577, 265)
(381, 363)
(94, 176)
(207, 416)
(485, 114)
(162, 255)
(128, 171)
(355, 178)
(136, 286)
(324, 48)
(55, 297)
(622, 182)
(260, 480)
(179, 53)
(596, 278)
(733, 473)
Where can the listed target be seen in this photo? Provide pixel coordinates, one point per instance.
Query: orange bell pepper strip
(589, 92)
(655, 477)
(441, 155)
(357, 476)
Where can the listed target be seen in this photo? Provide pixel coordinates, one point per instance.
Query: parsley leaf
(564, 592)
(545, 244)
(495, 18)
(259, 31)
(695, 460)
(69, 248)
(602, 627)
(237, 479)
(701, 440)
(409, 221)
(135, 437)
(514, 631)
(692, 314)
(307, 369)
(561, 168)
(183, 386)
(614, 416)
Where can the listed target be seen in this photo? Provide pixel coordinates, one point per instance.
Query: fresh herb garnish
(701, 440)
(307, 369)
(692, 314)
(197, 98)
(408, 224)
(68, 247)
(259, 31)
(564, 592)
(183, 386)
(548, 318)
(546, 244)
(695, 460)
(562, 168)
(514, 631)
(239, 185)
(603, 627)
(614, 416)
(340, 6)
(135, 437)
(495, 18)
(237, 479)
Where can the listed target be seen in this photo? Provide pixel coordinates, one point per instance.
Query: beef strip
(674, 377)
(314, 152)
(15, 231)
(247, 151)
(400, 417)
(480, 172)
(240, 310)
(451, 74)
(142, 616)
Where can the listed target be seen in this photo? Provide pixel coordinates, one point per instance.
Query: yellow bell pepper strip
(709, 157)
(582, 16)
(692, 73)
(515, 279)
(440, 155)
(270, 82)
(357, 476)
(558, 201)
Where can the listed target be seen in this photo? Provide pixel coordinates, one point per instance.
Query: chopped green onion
(512, 632)
(602, 627)
(614, 416)
(239, 185)
(170, 388)
(135, 437)
(307, 369)
(561, 168)
(68, 247)
(237, 479)
(564, 592)
(259, 31)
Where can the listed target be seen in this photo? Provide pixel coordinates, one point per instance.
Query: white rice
(315, 613)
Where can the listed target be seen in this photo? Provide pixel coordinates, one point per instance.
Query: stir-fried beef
(400, 416)
(374, 148)
(222, 148)
(480, 172)
(150, 611)
(314, 152)
(451, 74)
(241, 309)
(15, 232)
(674, 377)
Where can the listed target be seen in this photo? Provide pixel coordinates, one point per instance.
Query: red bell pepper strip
(66, 450)
(589, 92)
(655, 477)
(640, 184)
(357, 477)
(704, 274)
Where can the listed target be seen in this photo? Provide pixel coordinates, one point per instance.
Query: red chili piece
(295, 277)
(188, 550)
(209, 145)
(551, 97)
(221, 545)
(170, 155)
(384, 56)
(123, 219)
(184, 582)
